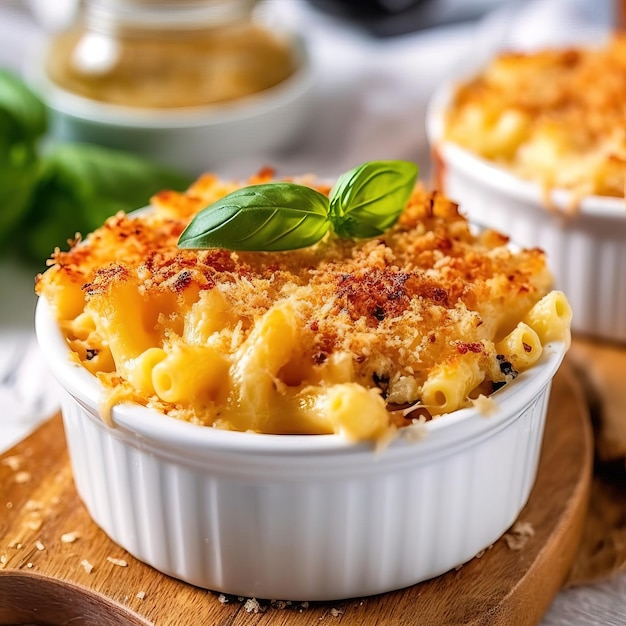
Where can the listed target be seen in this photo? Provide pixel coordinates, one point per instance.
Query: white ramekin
(586, 248)
(297, 517)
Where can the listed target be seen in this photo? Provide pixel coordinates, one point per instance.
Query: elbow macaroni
(334, 338)
(553, 116)
(551, 317)
(522, 345)
(449, 385)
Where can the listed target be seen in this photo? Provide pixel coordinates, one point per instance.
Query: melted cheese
(307, 341)
(556, 117)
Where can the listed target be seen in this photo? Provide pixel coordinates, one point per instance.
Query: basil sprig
(364, 202)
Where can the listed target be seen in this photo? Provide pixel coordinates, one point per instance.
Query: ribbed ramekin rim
(499, 179)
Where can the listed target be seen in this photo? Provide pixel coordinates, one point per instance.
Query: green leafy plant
(364, 202)
(50, 190)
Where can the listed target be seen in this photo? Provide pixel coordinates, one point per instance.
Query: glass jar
(168, 53)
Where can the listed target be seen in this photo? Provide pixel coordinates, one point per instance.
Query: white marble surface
(371, 100)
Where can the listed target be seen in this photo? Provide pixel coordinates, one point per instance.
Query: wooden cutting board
(46, 578)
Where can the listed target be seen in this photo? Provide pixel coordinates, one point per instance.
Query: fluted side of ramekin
(298, 533)
(586, 253)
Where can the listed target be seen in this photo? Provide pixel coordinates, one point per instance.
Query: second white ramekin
(586, 248)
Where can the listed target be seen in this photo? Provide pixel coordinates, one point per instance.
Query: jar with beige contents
(189, 83)
(155, 53)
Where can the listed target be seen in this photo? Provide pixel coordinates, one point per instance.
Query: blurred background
(105, 102)
(180, 87)
(365, 69)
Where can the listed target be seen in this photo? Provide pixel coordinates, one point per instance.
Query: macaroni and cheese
(554, 116)
(356, 337)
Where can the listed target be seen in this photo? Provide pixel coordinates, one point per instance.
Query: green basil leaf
(17, 185)
(367, 200)
(80, 186)
(97, 172)
(55, 217)
(271, 217)
(23, 115)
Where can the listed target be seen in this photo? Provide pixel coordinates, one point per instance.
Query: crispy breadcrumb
(428, 292)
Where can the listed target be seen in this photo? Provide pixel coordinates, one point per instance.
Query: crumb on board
(87, 566)
(39, 545)
(22, 477)
(280, 604)
(118, 562)
(29, 565)
(141, 595)
(336, 612)
(3, 559)
(252, 606)
(519, 535)
(13, 462)
(69, 537)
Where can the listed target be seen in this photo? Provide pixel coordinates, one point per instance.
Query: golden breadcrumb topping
(556, 116)
(428, 294)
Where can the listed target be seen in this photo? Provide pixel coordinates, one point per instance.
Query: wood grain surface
(58, 567)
